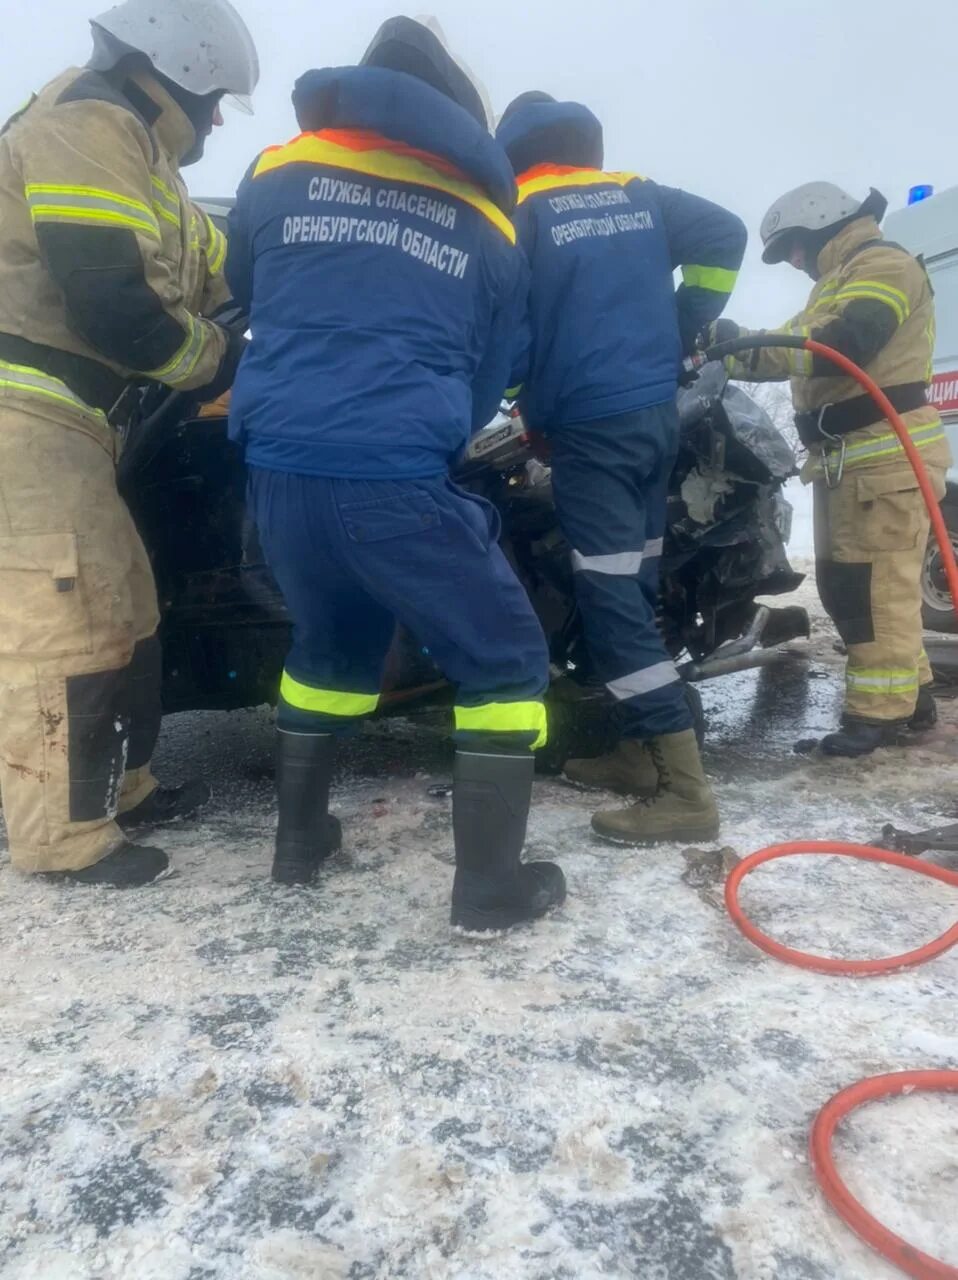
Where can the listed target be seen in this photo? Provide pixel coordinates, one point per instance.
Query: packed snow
(217, 1079)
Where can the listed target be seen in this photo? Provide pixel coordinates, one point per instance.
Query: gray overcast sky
(737, 100)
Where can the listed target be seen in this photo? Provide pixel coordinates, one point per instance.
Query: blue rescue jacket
(377, 258)
(608, 328)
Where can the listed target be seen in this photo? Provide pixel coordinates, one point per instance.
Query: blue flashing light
(923, 192)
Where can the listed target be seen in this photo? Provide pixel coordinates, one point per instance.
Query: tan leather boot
(684, 807)
(629, 770)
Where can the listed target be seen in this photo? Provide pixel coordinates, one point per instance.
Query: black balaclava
(116, 60)
(199, 110)
(874, 206)
(401, 44)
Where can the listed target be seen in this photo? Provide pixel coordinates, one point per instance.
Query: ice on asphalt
(218, 1079)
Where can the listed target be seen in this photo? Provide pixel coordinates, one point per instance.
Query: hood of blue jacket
(563, 133)
(405, 109)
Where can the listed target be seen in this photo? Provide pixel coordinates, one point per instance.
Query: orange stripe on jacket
(367, 140)
(554, 177)
(378, 157)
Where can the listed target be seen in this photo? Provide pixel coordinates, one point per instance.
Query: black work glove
(236, 344)
(719, 331)
(688, 374)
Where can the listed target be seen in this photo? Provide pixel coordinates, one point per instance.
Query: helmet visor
(778, 246)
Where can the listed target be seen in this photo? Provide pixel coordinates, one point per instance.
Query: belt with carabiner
(834, 451)
(95, 384)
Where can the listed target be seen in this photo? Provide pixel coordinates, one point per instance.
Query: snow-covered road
(220, 1080)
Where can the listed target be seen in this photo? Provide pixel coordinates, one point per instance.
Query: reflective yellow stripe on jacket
(181, 366)
(34, 382)
(326, 702)
(166, 203)
(827, 295)
(52, 203)
(312, 149)
(716, 279)
(801, 362)
(506, 717)
(875, 291)
(215, 247)
(931, 333)
(887, 446)
(879, 448)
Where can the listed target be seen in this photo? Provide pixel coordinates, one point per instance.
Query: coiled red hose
(904, 1255)
(910, 1260)
(827, 964)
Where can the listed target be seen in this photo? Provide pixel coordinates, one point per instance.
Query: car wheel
(937, 608)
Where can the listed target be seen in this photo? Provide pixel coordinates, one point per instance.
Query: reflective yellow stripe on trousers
(506, 717)
(326, 702)
(882, 682)
(34, 382)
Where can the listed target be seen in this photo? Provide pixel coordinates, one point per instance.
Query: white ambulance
(929, 227)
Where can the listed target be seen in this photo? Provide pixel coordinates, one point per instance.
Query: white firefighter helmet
(204, 46)
(816, 206)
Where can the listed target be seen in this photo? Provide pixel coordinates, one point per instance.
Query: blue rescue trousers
(353, 557)
(610, 479)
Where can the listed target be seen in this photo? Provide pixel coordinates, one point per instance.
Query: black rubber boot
(494, 889)
(132, 866)
(307, 835)
(862, 737)
(926, 712)
(167, 804)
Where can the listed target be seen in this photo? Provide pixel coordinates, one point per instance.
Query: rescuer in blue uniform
(377, 258)
(608, 335)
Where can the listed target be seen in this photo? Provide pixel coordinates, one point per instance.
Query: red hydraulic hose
(911, 449)
(905, 1256)
(888, 410)
(826, 964)
(861, 852)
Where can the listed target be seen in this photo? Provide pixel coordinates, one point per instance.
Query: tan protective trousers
(871, 533)
(79, 659)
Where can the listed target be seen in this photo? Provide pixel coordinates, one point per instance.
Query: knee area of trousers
(846, 592)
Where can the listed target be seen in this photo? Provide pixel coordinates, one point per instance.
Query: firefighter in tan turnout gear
(873, 302)
(106, 270)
